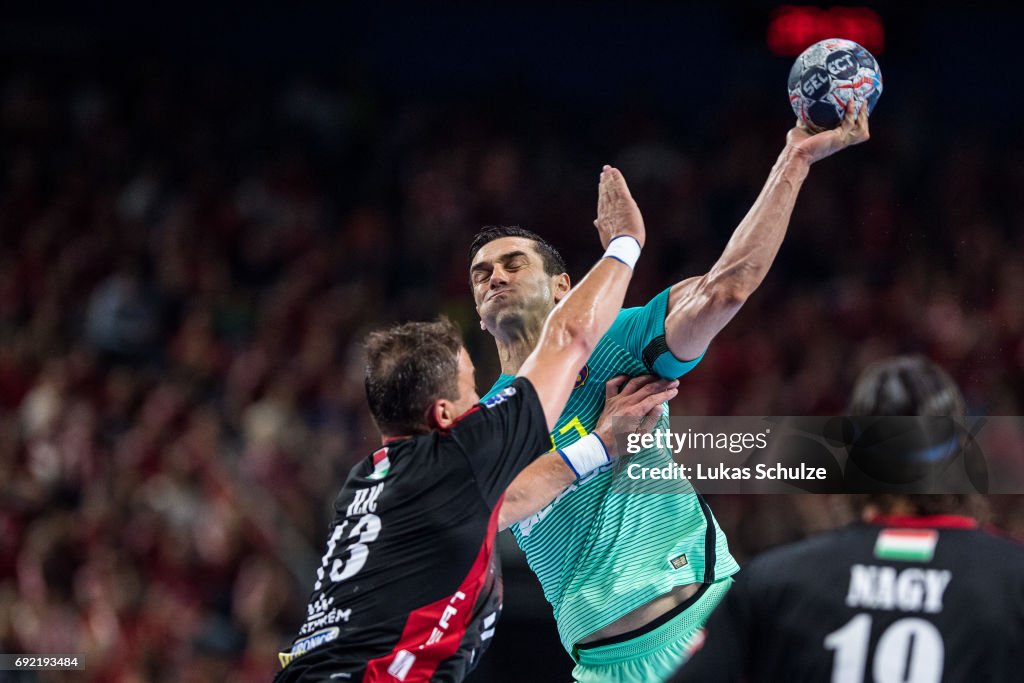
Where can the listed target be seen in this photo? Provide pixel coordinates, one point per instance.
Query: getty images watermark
(822, 455)
(734, 442)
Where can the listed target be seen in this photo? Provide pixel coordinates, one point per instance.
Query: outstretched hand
(853, 130)
(617, 212)
(636, 408)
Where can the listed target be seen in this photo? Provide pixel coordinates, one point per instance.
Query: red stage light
(792, 29)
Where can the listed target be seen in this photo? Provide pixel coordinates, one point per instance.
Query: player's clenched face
(509, 283)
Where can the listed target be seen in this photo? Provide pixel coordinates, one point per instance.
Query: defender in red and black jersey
(916, 593)
(408, 588)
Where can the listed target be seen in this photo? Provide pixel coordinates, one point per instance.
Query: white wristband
(585, 455)
(624, 248)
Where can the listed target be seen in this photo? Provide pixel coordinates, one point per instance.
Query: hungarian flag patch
(909, 545)
(381, 464)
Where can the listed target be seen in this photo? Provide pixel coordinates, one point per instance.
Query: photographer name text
(700, 472)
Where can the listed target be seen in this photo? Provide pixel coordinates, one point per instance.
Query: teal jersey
(608, 544)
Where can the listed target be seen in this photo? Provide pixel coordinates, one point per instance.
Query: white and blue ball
(826, 76)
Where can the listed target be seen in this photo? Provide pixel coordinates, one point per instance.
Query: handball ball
(826, 75)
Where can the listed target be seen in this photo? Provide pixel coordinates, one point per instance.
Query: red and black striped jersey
(908, 599)
(409, 588)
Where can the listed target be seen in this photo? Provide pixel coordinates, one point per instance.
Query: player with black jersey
(915, 593)
(409, 586)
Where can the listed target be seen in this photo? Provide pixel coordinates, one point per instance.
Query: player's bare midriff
(645, 614)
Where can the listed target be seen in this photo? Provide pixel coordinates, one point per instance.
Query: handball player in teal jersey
(631, 569)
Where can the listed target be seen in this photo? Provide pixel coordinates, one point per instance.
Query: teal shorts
(653, 656)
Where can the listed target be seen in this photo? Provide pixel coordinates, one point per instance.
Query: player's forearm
(701, 306)
(534, 489)
(756, 241)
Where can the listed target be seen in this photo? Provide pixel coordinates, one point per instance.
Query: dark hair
(554, 264)
(906, 385)
(408, 367)
(911, 385)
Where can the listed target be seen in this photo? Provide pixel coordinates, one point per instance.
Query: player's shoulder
(628, 323)
(394, 458)
(654, 308)
(815, 547)
(501, 383)
(506, 387)
(985, 545)
(413, 456)
(629, 314)
(503, 412)
(805, 560)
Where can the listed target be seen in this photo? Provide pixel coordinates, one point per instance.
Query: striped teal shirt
(608, 544)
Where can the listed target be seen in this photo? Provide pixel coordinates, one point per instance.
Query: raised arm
(699, 307)
(576, 324)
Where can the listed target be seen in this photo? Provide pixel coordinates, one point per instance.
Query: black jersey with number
(409, 588)
(904, 600)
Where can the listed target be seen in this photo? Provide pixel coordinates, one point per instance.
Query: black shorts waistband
(650, 626)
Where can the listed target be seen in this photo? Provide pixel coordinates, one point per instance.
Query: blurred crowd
(189, 261)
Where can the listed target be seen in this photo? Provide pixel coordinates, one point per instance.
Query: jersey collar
(925, 521)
